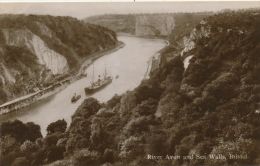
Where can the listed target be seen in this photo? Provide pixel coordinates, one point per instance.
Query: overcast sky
(82, 10)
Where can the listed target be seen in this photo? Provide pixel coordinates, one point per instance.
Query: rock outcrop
(196, 34)
(25, 38)
(154, 25)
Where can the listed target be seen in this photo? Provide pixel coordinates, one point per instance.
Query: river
(129, 63)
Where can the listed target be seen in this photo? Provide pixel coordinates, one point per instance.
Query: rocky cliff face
(37, 51)
(182, 45)
(188, 42)
(154, 25)
(54, 61)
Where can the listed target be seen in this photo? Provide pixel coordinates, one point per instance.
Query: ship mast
(93, 74)
(105, 70)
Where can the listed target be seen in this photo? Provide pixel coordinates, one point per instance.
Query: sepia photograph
(173, 83)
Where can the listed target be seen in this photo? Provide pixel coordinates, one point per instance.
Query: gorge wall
(37, 51)
(151, 25)
(52, 60)
(154, 25)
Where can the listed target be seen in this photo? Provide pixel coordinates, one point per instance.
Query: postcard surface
(129, 83)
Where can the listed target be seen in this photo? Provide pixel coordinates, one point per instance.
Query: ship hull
(75, 99)
(91, 90)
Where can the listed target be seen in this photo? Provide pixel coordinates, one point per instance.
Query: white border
(6, 1)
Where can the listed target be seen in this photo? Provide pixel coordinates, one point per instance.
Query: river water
(129, 63)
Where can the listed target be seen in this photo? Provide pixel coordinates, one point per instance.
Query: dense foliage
(115, 22)
(211, 108)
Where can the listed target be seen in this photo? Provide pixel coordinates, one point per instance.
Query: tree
(99, 136)
(58, 126)
(20, 161)
(89, 106)
(34, 131)
(16, 129)
(108, 156)
(131, 148)
(113, 101)
(8, 144)
(55, 153)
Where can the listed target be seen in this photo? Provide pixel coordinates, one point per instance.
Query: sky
(81, 10)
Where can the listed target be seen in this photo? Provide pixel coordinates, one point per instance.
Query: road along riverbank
(29, 99)
(155, 61)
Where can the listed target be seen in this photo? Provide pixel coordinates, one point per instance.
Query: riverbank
(88, 61)
(29, 99)
(154, 62)
(145, 37)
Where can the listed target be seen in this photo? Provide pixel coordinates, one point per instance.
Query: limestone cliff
(25, 38)
(154, 25)
(188, 42)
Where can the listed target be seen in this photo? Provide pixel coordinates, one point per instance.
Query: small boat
(117, 76)
(75, 98)
(99, 84)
